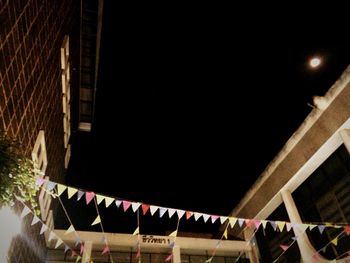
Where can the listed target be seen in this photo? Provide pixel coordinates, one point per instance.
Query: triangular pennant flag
(59, 242)
(240, 222)
(302, 227)
(257, 223)
(232, 221)
(118, 203)
(197, 215)
(188, 214)
(78, 259)
(51, 185)
(280, 225)
(173, 234)
(66, 248)
(137, 231)
(288, 226)
(205, 217)
(168, 258)
(209, 260)
(172, 244)
(70, 230)
(80, 195)
(126, 205)
(311, 226)
(171, 212)
(135, 206)
(138, 253)
(97, 220)
(324, 249)
(25, 211)
(71, 192)
(347, 230)
(89, 196)
(162, 211)
(273, 224)
(249, 222)
(225, 233)
(73, 254)
(43, 229)
(153, 209)
(294, 238)
(77, 241)
(108, 201)
(223, 219)
(52, 235)
(145, 208)
(316, 256)
(180, 213)
(39, 181)
(214, 218)
(105, 250)
(335, 241)
(82, 248)
(263, 222)
(99, 198)
(60, 189)
(35, 220)
(284, 247)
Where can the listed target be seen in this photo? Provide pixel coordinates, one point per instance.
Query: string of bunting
(230, 221)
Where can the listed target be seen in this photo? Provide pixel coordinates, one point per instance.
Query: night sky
(190, 112)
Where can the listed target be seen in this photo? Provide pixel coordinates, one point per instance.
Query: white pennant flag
(135, 206)
(171, 212)
(197, 215)
(180, 213)
(43, 229)
(35, 220)
(118, 202)
(59, 242)
(25, 211)
(153, 209)
(206, 217)
(223, 219)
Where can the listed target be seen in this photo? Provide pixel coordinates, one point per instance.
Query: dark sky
(190, 112)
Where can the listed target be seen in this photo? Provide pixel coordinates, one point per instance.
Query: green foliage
(17, 174)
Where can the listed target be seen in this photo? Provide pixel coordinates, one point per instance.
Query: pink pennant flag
(171, 212)
(288, 226)
(188, 214)
(168, 258)
(347, 230)
(81, 248)
(138, 253)
(126, 205)
(35, 220)
(153, 209)
(145, 208)
(135, 206)
(25, 212)
(206, 217)
(214, 218)
(74, 254)
(257, 223)
(284, 247)
(316, 256)
(180, 213)
(249, 222)
(89, 196)
(43, 229)
(39, 181)
(105, 250)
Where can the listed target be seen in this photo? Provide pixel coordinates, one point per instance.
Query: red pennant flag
(284, 247)
(105, 250)
(73, 254)
(168, 258)
(347, 230)
(126, 205)
(188, 214)
(89, 196)
(145, 208)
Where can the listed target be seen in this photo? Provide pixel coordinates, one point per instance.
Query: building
(308, 181)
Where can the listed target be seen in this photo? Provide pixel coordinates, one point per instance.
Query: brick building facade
(31, 34)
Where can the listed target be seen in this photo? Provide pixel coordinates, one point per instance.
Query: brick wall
(31, 34)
